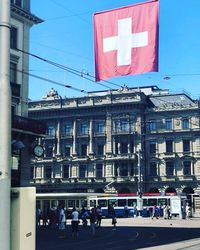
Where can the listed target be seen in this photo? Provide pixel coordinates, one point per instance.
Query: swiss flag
(126, 40)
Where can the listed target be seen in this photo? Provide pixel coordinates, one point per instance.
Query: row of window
(170, 168)
(168, 124)
(64, 171)
(169, 146)
(121, 170)
(123, 126)
(99, 149)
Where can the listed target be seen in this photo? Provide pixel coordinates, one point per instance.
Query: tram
(45, 201)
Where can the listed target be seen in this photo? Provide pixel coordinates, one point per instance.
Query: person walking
(93, 218)
(99, 215)
(75, 222)
(113, 216)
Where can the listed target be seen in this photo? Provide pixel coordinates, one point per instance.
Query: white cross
(125, 41)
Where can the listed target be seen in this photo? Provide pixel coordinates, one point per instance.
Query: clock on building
(38, 150)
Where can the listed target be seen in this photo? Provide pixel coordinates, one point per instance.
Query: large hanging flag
(126, 40)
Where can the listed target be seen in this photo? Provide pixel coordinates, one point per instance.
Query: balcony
(28, 125)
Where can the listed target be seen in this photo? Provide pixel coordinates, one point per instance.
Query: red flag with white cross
(126, 40)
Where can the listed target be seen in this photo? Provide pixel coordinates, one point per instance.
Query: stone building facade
(121, 141)
(24, 130)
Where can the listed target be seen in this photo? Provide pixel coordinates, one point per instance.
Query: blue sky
(66, 37)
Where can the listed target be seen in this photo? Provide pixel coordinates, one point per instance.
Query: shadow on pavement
(123, 238)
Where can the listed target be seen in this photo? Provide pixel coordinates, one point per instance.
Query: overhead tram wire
(71, 70)
(54, 82)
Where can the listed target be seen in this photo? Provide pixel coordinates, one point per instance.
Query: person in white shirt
(62, 221)
(75, 222)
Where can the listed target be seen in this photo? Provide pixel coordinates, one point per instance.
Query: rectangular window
(116, 126)
(168, 124)
(185, 123)
(186, 145)
(13, 72)
(187, 168)
(103, 203)
(152, 147)
(169, 168)
(123, 170)
(99, 170)
(152, 125)
(65, 171)
(153, 169)
(38, 172)
(13, 37)
(84, 128)
(67, 150)
(124, 125)
(47, 172)
(51, 130)
(83, 149)
(82, 171)
(100, 127)
(100, 149)
(49, 151)
(124, 148)
(17, 2)
(68, 129)
(122, 202)
(169, 146)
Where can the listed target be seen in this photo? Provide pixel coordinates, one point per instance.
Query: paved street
(137, 233)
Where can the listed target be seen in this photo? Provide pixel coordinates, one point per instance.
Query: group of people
(57, 217)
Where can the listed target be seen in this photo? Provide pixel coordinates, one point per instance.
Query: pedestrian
(84, 217)
(75, 222)
(126, 211)
(165, 214)
(62, 221)
(93, 218)
(188, 211)
(99, 215)
(168, 213)
(113, 216)
(53, 217)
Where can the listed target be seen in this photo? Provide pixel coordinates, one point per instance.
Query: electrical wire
(81, 74)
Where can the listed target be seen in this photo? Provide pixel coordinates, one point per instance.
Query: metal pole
(139, 184)
(5, 125)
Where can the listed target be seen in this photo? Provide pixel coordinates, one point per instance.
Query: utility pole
(5, 125)
(140, 207)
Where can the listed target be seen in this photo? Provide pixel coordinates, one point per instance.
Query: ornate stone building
(24, 130)
(128, 140)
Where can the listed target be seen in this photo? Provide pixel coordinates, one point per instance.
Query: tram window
(71, 203)
(92, 203)
(61, 202)
(132, 202)
(84, 203)
(77, 203)
(152, 202)
(145, 202)
(46, 205)
(54, 203)
(121, 202)
(102, 203)
(112, 202)
(162, 201)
